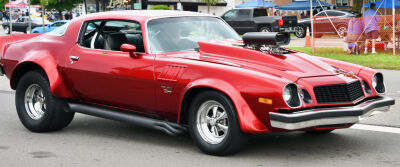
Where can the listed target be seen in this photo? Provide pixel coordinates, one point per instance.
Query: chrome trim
(298, 94)
(330, 116)
(383, 81)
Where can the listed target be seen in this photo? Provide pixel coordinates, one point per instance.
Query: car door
(100, 73)
(244, 21)
(18, 25)
(230, 17)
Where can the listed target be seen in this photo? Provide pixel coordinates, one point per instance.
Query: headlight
(287, 95)
(374, 81)
(377, 83)
(290, 95)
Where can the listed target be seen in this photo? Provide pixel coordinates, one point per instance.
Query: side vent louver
(171, 73)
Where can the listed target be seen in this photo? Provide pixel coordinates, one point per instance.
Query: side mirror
(129, 48)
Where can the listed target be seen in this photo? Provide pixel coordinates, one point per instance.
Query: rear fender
(247, 119)
(49, 66)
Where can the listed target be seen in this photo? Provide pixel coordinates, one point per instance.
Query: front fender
(247, 119)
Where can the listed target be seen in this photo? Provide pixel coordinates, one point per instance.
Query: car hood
(293, 66)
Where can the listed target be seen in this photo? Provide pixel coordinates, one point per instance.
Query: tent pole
(312, 28)
(394, 27)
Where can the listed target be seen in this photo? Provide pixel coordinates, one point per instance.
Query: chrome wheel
(342, 31)
(34, 100)
(7, 30)
(300, 32)
(212, 122)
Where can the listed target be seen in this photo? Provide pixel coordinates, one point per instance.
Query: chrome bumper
(330, 116)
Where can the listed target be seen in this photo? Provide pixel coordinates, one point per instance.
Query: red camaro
(183, 71)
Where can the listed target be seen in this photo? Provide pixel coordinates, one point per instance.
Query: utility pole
(312, 27)
(9, 3)
(29, 17)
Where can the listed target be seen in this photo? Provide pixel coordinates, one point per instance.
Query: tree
(160, 7)
(209, 3)
(2, 4)
(59, 5)
(357, 5)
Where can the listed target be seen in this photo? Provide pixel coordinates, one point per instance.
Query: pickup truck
(257, 20)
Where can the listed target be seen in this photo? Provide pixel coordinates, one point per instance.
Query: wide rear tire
(214, 125)
(37, 108)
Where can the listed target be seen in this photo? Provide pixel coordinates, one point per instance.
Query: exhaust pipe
(169, 128)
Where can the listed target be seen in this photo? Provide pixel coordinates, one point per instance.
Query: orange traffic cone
(308, 40)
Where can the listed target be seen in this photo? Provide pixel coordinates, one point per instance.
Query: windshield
(182, 33)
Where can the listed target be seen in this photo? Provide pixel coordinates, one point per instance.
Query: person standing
(371, 21)
(355, 34)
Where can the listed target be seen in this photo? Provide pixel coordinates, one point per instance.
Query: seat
(137, 40)
(115, 40)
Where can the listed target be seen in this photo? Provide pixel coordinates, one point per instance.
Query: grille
(340, 93)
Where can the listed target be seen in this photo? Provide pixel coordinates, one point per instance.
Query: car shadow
(295, 145)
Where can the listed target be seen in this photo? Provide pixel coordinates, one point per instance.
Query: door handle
(76, 58)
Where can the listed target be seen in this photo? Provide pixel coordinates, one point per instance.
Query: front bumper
(330, 116)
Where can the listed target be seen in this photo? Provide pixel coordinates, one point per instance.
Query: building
(190, 5)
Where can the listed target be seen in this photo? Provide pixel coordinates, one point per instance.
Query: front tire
(38, 110)
(213, 124)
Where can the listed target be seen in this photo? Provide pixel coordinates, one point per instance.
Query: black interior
(112, 37)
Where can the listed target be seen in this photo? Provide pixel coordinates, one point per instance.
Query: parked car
(22, 24)
(169, 71)
(325, 23)
(50, 27)
(257, 20)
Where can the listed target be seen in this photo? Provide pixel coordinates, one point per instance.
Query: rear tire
(300, 32)
(37, 108)
(265, 29)
(216, 132)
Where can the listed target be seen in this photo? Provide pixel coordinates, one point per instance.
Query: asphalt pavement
(91, 141)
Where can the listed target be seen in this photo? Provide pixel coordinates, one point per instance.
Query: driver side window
(111, 34)
(230, 14)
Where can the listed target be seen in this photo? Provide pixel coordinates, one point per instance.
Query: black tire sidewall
(265, 28)
(42, 124)
(302, 29)
(234, 132)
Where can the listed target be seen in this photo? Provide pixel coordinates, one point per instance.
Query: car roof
(142, 15)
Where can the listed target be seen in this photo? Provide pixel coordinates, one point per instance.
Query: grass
(381, 60)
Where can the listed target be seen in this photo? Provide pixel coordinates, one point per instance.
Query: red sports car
(182, 71)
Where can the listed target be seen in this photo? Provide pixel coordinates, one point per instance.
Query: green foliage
(2, 3)
(210, 2)
(58, 4)
(160, 7)
(357, 5)
(381, 60)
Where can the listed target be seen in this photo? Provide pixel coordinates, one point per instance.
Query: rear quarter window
(59, 31)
